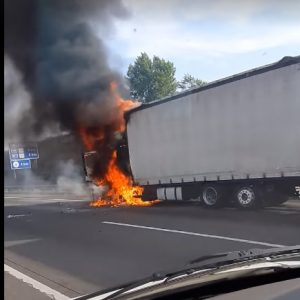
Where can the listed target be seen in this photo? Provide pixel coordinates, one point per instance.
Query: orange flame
(120, 189)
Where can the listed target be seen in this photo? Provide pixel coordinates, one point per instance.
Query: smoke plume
(69, 180)
(60, 64)
(17, 102)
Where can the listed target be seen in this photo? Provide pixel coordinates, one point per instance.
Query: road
(56, 244)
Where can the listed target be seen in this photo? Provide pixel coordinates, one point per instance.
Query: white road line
(195, 234)
(35, 284)
(16, 216)
(19, 242)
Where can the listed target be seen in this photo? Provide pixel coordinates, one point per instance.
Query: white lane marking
(195, 234)
(16, 216)
(35, 284)
(19, 242)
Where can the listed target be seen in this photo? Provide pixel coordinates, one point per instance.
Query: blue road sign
(20, 164)
(23, 151)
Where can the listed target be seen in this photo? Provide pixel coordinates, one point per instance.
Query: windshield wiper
(219, 259)
(227, 258)
(166, 276)
(152, 278)
(248, 254)
(208, 257)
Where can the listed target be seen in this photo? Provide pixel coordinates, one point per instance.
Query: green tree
(189, 82)
(151, 79)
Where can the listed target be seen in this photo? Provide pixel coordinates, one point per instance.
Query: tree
(189, 82)
(151, 79)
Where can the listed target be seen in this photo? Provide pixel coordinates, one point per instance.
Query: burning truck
(238, 136)
(235, 139)
(106, 161)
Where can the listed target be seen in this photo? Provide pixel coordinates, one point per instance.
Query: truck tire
(247, 197)
(212, 196)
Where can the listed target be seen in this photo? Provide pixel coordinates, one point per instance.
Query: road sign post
(23, 151)
(21, 154)
(20, 164)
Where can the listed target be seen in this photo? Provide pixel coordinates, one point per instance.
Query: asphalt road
(57, 243)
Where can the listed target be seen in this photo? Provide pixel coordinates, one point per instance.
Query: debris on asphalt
(68, 210)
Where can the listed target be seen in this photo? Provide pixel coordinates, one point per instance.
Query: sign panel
(20, 164)
(23, 151)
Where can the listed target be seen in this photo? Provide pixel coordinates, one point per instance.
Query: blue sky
(207, 39)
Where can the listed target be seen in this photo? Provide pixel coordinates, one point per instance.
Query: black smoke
(63, 63)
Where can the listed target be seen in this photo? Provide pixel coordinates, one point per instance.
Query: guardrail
(29, 187)
(44, 188)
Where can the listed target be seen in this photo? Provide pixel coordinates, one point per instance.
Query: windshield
(146, 136)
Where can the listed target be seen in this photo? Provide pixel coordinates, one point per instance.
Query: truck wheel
(212, 196)
(247, 197)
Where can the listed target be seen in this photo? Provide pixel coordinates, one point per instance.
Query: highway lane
(73, 249)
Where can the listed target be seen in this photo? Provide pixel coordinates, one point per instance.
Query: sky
(209, 39)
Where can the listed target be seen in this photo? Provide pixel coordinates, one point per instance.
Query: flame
(120, 189)
(90, 139)
(122, 106)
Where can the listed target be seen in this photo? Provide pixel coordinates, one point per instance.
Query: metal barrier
(41, 188)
